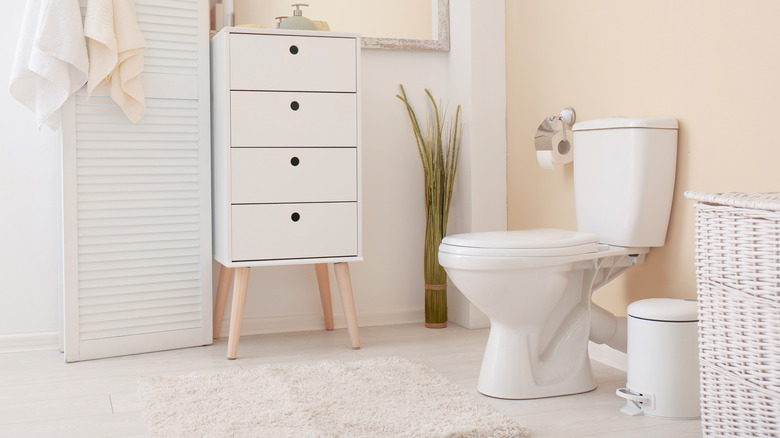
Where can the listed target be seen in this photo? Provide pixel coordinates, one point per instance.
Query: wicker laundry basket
(738, 279)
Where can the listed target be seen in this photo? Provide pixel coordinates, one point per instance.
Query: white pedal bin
(663, 359)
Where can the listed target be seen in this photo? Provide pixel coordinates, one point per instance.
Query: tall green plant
(438, 146)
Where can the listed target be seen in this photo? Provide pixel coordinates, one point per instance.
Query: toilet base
(513, 369)
(533, 398)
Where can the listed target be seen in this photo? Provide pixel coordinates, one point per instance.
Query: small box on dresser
(286, 154)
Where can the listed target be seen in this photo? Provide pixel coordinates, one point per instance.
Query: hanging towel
(101, 41)
(116, 48)
(51, 58)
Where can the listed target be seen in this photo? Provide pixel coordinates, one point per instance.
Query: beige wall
(713, 65)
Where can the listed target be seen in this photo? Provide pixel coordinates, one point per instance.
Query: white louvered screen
(169, 29)
(136, 200)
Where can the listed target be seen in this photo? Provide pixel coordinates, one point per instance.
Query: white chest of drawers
(286, 150)
(286, 147)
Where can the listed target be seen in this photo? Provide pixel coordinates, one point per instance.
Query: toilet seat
(543, 242)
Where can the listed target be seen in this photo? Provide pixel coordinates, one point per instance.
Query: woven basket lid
(758, 201)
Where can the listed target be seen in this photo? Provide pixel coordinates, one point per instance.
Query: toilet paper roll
(562, 150)
(545, 159)
(559, 151)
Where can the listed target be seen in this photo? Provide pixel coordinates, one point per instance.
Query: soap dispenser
(298, 21)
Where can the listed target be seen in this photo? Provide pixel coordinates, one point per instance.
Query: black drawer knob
(294, 105)
(295, 161)
(294, 49)
(295, 217)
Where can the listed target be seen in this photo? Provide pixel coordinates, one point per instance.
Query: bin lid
(664, 309)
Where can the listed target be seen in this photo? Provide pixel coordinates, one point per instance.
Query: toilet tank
(624, 179)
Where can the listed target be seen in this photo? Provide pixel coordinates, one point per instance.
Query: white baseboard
(607, 355)
(29, 342)
(302, 323)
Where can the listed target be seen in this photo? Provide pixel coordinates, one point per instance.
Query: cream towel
(51, 58)
(115, 53)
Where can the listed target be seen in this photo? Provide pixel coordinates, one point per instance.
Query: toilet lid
(545, 242)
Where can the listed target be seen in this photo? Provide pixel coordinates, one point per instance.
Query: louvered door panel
(137, 239)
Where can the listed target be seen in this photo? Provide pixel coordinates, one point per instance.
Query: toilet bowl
(535, 286)
(538, 302)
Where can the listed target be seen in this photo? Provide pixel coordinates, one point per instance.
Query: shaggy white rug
(387, 397)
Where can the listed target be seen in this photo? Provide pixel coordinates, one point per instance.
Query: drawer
(269, 175)
(292, 119)
(292, 63)
(271, 231)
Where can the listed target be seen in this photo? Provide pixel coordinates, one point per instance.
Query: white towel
(51, 58)
(115, 53)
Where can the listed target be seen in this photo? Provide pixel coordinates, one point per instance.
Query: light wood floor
(40, 396)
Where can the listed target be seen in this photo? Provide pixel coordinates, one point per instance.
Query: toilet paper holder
(544, 134)
(544, 142)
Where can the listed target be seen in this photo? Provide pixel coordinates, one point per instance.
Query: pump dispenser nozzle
(297, 12)
(298, 21)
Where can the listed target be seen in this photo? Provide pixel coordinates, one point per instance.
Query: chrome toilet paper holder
(544, 134)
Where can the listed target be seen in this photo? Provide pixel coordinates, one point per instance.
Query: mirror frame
(442, 43)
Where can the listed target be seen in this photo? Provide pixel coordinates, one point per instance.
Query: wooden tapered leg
(240, 282)
(347, 302)
(223, 289)
(324, 283)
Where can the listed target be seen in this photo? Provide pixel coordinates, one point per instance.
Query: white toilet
(535, 286)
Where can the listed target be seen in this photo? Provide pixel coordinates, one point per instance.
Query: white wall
(478, 81)
(29, 174)
(388, 283)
